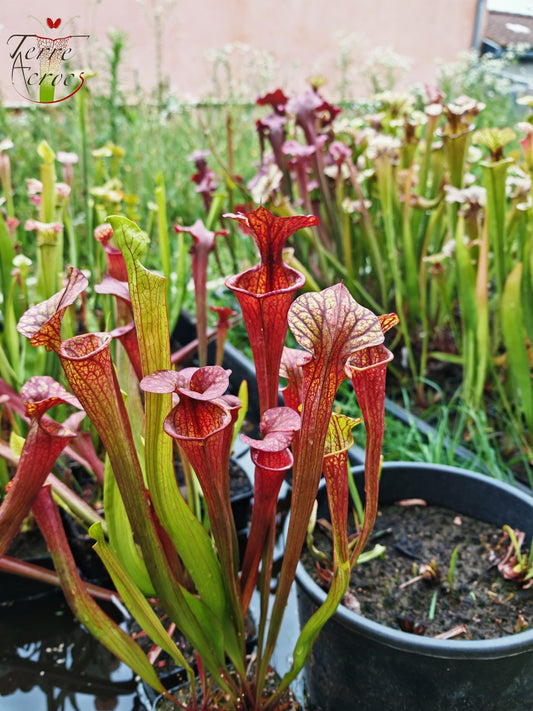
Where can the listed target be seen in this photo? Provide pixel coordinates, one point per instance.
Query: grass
(439, 437)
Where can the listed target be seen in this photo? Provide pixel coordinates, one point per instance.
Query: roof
(506, 28)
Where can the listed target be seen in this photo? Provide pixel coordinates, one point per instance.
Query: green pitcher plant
(154, 545)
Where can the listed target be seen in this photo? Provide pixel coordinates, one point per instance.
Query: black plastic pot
(358, 663)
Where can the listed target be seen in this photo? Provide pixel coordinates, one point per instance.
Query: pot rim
(508, 645)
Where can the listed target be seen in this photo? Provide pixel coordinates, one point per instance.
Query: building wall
(271, 43)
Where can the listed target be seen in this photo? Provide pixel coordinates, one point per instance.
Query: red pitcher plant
(154, 545)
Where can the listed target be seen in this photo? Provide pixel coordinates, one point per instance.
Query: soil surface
(28, 545)
(220, 703)
(475, 599)
(166, 669)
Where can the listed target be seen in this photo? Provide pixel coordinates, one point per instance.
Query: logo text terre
(41, 67)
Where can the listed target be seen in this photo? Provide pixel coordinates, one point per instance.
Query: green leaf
(494, 179)
(202, 628)
(466, 280)
(514, 337)
(120, 534)
(134, 598)
(7, 254)
(310, 632)
(190, 538)
(447, 357)
(6, 371)
(243, 397)
(466, 287)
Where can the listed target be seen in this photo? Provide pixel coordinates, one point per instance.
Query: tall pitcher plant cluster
(153, 545)
(425, 215)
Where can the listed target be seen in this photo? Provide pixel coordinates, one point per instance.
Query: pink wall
(302, 37)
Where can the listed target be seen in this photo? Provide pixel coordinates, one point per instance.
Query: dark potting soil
(288, 702)
(28, 545)
(479, 598)
(167, 671)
